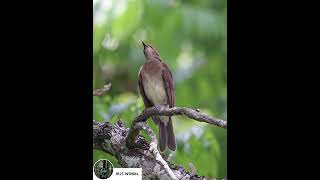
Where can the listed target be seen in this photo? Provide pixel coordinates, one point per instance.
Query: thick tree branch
(111, 139)
(102, 91)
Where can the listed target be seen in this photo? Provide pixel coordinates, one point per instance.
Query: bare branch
(102, 91)
(164, 111)
(132, 150)
(153, 148)
(111, 139)
(191, 113)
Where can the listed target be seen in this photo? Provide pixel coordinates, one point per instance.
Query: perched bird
(157, 88)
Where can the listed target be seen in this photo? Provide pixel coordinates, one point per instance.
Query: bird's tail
(171, 137)
(166, 134)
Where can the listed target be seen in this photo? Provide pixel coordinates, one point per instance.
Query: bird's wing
(169, 85)
(145, 99)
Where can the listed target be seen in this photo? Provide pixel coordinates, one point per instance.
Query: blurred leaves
(191, 38)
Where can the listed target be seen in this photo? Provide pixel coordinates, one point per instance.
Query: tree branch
(132, 150)
(154, 149)
(102, 91)
(191, 113)
(111, 139)
(164, 111)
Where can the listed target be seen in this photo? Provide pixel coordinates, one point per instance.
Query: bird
(156, 87)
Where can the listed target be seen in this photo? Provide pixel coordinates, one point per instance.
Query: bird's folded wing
(169, 85)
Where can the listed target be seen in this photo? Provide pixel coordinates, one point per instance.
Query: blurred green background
(191, 38)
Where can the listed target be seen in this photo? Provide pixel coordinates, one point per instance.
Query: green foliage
(191, 38)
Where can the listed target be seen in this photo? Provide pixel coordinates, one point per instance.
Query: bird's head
(149, 52)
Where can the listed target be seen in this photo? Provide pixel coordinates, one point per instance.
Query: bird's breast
(154, 88)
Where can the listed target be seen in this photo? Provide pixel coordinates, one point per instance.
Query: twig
(102, 91)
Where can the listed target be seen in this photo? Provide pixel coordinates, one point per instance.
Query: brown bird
(157, 88)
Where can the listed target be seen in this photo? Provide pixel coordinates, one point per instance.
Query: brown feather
(171, 98)
(168, 79)
(156, 86)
